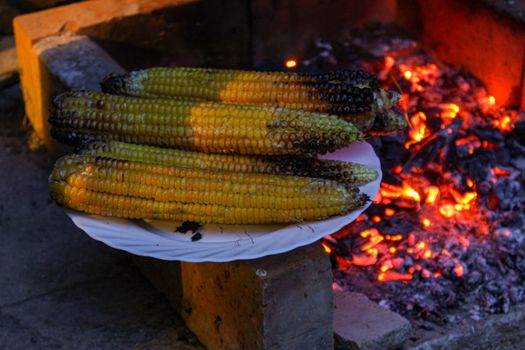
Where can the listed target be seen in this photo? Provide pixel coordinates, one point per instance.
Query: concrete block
(277, 302)
(31, 28)
(65, 62)
(360, 322)
(75, 61)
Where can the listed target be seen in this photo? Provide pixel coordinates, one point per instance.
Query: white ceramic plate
(219, 243)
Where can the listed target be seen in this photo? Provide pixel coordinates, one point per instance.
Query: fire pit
(443, 246)
(444, 241)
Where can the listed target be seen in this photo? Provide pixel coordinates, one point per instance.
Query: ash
(444, 239)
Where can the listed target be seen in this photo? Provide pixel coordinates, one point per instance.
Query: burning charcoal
(459, 251)
(432, 147)
(474, 278)
(517, 295)
(434, 123)
(519, 162)
(519, 130)
(510, 194)
(461, 83)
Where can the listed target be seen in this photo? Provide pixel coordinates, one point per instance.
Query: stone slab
(360, 322)
(502, 332)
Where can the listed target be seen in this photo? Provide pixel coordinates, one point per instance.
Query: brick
(488, 44)
(360, 322)
(277, 302)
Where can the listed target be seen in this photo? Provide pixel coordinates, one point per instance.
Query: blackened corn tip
(114, 83)
(59, 99)
(392, 121)
(356, 199)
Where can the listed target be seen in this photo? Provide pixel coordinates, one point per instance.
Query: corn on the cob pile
(139, 190)
(345, 172)
(250, 160)
(352, 95)
(200, 126)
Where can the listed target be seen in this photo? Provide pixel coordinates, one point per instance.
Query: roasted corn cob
(348, 173)
(352, 95)
(139, 190)
(200, 126)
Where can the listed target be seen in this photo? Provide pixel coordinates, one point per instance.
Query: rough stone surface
(59, 288)
(76, 61)
(277, 302)
(359, 321)
(505, 332)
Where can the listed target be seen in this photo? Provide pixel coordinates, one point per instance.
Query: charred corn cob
(138, 190)
(199, 126)
(352, 95)
(176, 176)
(348, 173)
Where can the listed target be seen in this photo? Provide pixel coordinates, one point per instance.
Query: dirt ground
(58, 287)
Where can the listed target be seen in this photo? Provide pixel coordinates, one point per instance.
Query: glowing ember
(365, 259)
(389, 212)
(426, 222)
(390, 275)
(419, 129)
(290, 63)
(500, 172)
(407, 192)
(459, 270)
(327, 249)
(447, 210)
(432, 194)
(487, 103)
(450, 110)
(504, 124)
